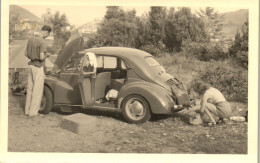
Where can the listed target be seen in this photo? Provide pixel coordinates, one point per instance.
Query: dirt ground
(163, 134)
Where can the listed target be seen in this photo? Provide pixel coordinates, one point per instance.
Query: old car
(112, 78)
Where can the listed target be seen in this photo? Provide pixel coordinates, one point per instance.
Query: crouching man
(212, 101)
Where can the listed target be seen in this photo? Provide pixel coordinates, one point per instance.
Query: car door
(86, 79)
(67, 88)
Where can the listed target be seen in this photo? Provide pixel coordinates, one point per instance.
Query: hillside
(90, 27)
(23, 13)
(233, 22)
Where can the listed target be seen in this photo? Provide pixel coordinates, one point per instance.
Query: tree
(213, 21)
(118, 28)
(157, 17)
(59, 23)
(173, 39)
(239, 48)
(13, 20)
(182, 26)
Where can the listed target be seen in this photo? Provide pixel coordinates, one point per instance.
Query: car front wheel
(135, 109)
(47, 101)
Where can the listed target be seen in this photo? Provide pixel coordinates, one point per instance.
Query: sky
(79, 15)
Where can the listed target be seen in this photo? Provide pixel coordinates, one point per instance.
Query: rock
(161, 124)
(164, 134)
(237, 118)
(212, 138)
(118, 148)
(207, 135)
(126, 142)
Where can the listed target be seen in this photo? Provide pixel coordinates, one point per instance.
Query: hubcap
(135, 109)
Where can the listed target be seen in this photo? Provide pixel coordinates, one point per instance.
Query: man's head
(46, 30)
(200, 87)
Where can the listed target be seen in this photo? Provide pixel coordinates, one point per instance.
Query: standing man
(37, 52)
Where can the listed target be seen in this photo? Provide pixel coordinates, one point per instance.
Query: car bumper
(176, 108)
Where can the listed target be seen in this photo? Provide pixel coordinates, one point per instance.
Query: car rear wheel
(135, 109)
(47, 101)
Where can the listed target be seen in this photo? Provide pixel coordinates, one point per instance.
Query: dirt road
(163, 134)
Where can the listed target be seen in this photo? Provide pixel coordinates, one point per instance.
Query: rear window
(151, 61)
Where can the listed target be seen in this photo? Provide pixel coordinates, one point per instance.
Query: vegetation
(61, 35)
(188, 44)
(239, 49)
(14, 19)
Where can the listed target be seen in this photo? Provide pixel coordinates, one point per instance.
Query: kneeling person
(212, 100)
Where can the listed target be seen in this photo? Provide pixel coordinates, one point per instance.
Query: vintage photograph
(128, 79)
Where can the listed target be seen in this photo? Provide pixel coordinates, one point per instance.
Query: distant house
(46, 18)
(30, 25)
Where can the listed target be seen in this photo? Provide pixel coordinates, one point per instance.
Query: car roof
(134, 57)
(126, 53)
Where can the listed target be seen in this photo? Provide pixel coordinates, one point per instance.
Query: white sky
(79, 15)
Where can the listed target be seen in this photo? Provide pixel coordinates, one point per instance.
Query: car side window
(110, 62)
(99, 61)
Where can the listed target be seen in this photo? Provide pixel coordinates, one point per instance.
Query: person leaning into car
(36, 51)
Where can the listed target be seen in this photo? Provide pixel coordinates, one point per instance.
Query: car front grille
(172, 81)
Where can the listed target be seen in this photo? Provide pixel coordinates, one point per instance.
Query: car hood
(74, 44)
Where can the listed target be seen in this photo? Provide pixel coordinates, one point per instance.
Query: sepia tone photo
(121, 79)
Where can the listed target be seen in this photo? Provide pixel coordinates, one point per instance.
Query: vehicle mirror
(89, 64)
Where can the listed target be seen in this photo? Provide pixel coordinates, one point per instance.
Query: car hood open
(74, 44)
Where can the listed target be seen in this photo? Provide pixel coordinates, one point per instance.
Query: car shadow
(115, 114)
(158, 117)
(180, 116)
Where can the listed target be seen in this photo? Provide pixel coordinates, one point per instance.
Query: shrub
(204, 51)
(229, 79)
(242, 58)
(151, 49)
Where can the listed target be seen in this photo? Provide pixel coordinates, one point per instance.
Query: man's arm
(44, 55)
(203, 102)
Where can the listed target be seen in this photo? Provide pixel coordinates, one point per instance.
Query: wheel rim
(43, 102)
(135, 109)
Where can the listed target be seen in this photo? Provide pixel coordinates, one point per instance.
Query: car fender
(159, 100)
(50, 82)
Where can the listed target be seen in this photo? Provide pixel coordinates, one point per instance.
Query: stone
(164, 134)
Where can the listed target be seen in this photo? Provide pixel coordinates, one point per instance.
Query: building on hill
(30, 25)
(46, 18)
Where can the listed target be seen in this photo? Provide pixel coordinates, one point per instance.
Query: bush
(205, 51)
(151, 49)
(230, 80)
(242, 58)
